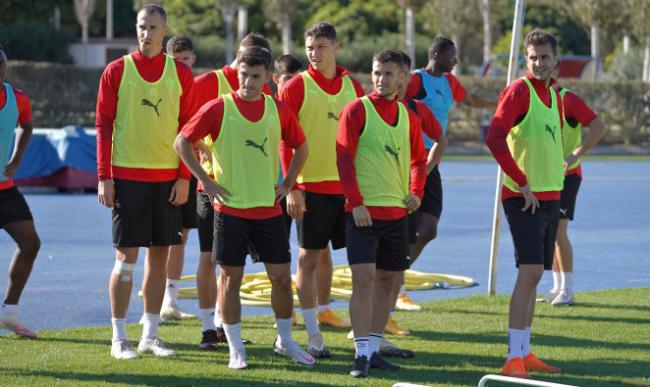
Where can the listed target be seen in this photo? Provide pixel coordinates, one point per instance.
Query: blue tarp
(51, 150)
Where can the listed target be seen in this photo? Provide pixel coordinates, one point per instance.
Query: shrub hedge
(63, 95)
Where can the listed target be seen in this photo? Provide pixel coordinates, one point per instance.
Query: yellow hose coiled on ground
(256, 287)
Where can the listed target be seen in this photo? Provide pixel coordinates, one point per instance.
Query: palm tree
(282, 12)
(228, 9)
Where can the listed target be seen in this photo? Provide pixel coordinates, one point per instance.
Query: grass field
(602, 340)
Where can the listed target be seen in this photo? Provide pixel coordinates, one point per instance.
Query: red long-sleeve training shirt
(150, 69)
(208, 120)
(428, 121)
(293, 93)
(207, 85)
(577, 111)
(24, 106)
(351, 124)
(512, 108)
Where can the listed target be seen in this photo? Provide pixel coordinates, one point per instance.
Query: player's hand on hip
(530, 201)
(296, 204)
(412, 202)
(361, 216)
(180, 192)
(10, 168)
(216, 192)
(106, 193)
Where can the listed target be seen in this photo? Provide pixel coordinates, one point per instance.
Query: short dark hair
(388, 55)
(287, 64)
(179, 44)
(539, 37)
(255, 56)
(407, 59)
(255, 39)
(321, 29)
(150, 9)
(439, 43)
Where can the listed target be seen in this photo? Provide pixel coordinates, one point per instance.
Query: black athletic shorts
(432, 200)
(205, 220)
(322, 222)
(413, 227)
(385, 243)
(188, 209)
(533, 235)
(143, 215)
(287, 218)
(234, 237)
(569, 195)
(13, 207)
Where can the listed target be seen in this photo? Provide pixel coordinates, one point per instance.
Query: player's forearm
(596, 132)
(183, 148)
(297, 162)
(22, 140)
(435, 154)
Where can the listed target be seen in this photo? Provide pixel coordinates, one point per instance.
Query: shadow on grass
(539, 313)
(538, 339)
(238, 379)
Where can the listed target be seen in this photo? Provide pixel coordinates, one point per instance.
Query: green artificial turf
(604, 340)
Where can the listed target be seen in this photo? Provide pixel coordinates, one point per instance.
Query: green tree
(641, 26)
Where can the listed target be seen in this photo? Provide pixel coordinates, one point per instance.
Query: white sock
(515, 340)
(233, 334)
(568, 281)
(171, 292)
(402, 289)
(323, 308)
(525, 345)
(557, 282)
(9, 310)
(361, 347)
(218, 322)
(207, 318)
(284, 330)
(150, 325)
(311, 322)
(374, 341)
(119, 329)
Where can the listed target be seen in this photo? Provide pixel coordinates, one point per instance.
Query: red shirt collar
(536, 82)
(156, 60)
(318, 77)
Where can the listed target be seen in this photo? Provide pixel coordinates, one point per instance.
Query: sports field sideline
(610, 239)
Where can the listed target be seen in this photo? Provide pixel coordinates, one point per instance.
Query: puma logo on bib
(392, 152)
(333, 116)
(146, 102)
(252, 144)
(551, 131)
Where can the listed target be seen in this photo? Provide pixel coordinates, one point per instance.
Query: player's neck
(329, 72)
(433, 69)
(151, 53)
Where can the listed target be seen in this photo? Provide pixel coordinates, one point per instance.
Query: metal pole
(410, 34)
(513, 65)
(109, 19)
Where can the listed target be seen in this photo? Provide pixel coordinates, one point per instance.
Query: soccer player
(432, 129)
(210, 86)
(439, 89)
(182, 50)
(382, 165)
(246, 166)
(525, 137)
(317, 97)
(143, 99)
(15, 216)
(577, 114)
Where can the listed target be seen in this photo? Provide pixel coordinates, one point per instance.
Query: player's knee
(429, 232)
(307, 263)
(123, 270)
(231, 282)
(281, 283)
